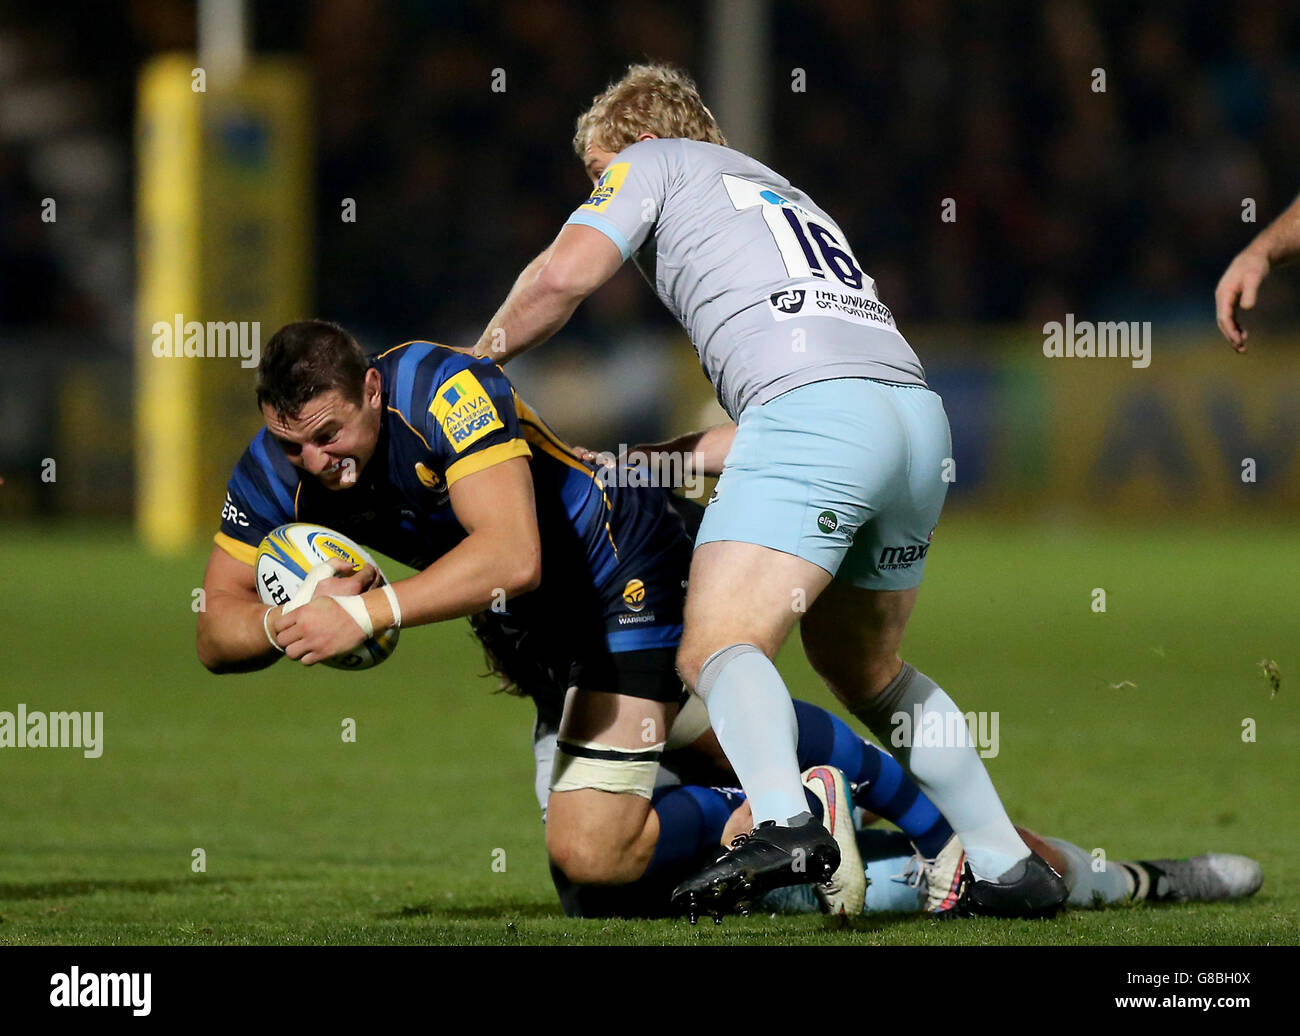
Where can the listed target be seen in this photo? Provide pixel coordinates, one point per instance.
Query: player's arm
(545, 295)
(232, 632)
(500, 557)
(230, 636)
(709, 447)
(1239, 285)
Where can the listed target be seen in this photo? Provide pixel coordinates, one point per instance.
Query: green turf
(393, 839)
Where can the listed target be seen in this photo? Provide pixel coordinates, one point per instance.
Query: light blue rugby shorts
(848, 474)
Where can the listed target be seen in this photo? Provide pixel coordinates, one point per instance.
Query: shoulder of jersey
(264, 478)
(422, 366)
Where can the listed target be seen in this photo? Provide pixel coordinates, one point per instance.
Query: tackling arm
(710, 447)
(550, 288)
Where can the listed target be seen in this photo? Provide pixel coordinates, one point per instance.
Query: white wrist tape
(391, 594)
(322, 571)
(356, 608)
(267, 630)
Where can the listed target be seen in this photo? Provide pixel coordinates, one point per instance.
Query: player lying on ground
(893, 879)
(830, 493)
(691, 821)
(848, 781)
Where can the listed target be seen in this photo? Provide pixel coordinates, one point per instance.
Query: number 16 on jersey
(810, 246)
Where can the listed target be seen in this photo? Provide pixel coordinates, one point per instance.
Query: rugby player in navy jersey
(427, 455)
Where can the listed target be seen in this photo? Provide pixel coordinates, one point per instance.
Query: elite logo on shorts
(607, 186)
(634, 594)
(464, 410)
(827, 521)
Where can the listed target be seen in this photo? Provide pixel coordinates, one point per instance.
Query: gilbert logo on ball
(288, 553)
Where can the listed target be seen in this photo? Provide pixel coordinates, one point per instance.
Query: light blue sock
(950, 772)
(887, 860)
(891, 889)
(1090, 887)
(751, 713)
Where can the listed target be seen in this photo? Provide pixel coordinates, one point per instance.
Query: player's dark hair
(306, 358)
(507, 660)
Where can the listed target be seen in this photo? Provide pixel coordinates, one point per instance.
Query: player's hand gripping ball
(289, 553)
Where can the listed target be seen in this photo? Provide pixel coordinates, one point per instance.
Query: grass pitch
(1120, 730)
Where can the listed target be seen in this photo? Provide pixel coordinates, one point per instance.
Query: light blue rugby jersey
(762, 279)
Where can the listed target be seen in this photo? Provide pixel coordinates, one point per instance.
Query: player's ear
(374, 386)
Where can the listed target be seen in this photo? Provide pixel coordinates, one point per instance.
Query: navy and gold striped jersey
(613, 559)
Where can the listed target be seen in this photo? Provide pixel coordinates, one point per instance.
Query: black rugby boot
(769, 857)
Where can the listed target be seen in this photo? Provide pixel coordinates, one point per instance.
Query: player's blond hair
(658, 99)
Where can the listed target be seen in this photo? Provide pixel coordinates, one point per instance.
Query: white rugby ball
(288, 553)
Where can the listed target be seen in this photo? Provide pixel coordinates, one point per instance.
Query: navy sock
(691, 819)
(883, 787)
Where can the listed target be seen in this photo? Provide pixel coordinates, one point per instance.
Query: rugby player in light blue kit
(831, 490)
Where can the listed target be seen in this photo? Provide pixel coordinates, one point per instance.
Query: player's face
(595, 160)
(331, 438)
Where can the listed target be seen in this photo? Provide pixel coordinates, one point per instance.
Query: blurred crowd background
(1123, 204)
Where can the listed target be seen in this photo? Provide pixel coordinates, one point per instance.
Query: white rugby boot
(846, 892)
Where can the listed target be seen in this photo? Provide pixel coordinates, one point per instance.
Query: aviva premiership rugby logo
(465, 411)
(634, 594)
(607, 186)
(327, 546)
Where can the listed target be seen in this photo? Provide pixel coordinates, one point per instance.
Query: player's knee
(854, 671)
(596, 820)
(587, 860)
(827, 656)
(699, 663)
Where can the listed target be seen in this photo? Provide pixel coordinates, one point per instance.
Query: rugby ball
(288, 553)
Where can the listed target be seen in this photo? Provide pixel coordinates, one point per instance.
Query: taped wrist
(309, 583)
(391, 594)
(267, 630)
(356, 608)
